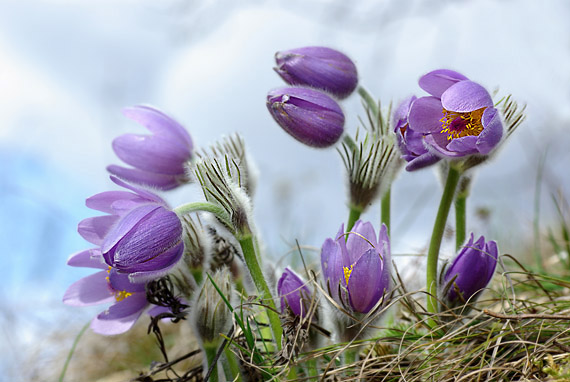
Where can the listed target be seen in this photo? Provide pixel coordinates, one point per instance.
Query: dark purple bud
(318, 67)
(308, 115)
(159, 159)
(293, 292)
(470, 272)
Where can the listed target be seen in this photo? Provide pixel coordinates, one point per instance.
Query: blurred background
(67, 68)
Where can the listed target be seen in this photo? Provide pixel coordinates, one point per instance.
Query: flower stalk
(211, 351)
(385, 208)
(453, 176)
(353, 216)
(460, 211)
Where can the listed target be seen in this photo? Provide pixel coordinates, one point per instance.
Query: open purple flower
(107, 285)
(411, 143)
(357, 271)
(159, 159)
(458, 119)
(139, 236)
(318, 67)
(308, 115)
(293, 292)
(470, 271)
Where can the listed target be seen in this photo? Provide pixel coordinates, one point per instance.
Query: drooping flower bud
(294, 293)
(318, 67)
(469, 273)
(159, 159)
(308, 115)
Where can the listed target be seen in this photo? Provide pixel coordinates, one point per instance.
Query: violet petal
(121, 316)
(90, 290)
(466, 96)
(95, 229)
(438, 81)
(365, 287)
(425, 115)
(161, 181)
(492, 132)
(158, 123)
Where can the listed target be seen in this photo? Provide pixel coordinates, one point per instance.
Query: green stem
(350, 357)
(436, 237)
(220, 213)
(460, 220)
(71, 351)
(369, 100)
(231, 365)
(211, 351)
(248, 249)
(385, 209)
(353, 216)
(312, 369)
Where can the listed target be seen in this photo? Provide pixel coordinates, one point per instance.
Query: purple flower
(140, 236)
(308, 115)
(458, 119)
(470, 271)
(293, 292)
(159, 160)
(107, 285)
(357, 272)
(318, 67)
(411, 143)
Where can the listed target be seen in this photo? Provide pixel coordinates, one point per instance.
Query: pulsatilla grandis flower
(469, 272)
(140, 236)
(293, 292)
(458, 119)
(308, 115)
(411, 143)
(107, 285)
(159, 159)
(357, 271)
(318, 67)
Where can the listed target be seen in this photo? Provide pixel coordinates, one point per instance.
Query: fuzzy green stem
(436, 238)
(350, 357)
(218, 211)
(231, 365)
(385, 209)
(312, 369)
(460, 220)
(211, 351)
(71, 351)
(248, 249)
(353, 216)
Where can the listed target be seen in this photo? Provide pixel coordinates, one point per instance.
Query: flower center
(457, 125)
(347, 272)
(120, 295)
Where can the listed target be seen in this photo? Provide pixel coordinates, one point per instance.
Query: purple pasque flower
(411, 143)
(159, 159)
(470, 271)
(458, 119)
(293, 292)
(357, 271)
(140, 236)
(308, 115)
(318, 67)
(107, 285)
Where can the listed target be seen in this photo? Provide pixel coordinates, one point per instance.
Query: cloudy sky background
(68, 67)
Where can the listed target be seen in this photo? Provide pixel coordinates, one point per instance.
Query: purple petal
(89, 258)
(362, 238)
(95, 229)
(122, 282)
(121, 316)
(400, 116)
(422, 161)
(365, 286)
(492, 131)
(425, 115)
(291, 289)
(157, 267)
(104, 201)
(438, 143)
(438, 81)
(466, 96)
(492, 253)
(143, 193)
(90, 290)
(151, 153)
(464, 145)
(161, 181)
(332, 265)
(158, 123)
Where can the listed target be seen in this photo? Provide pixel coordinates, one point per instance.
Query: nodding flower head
(318, 67)
(294, 293)
(160, 159)
(458, 118)
(357, 271)
(139, 236)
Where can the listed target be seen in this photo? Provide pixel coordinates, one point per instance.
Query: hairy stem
(460, 220)
(211, 351)
(385, 209)
(353, 216)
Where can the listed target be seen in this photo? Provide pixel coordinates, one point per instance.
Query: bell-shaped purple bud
(318, 67)
(357, 271)
(293, 292)
(308, 115)
(159, 160)
(470, 272)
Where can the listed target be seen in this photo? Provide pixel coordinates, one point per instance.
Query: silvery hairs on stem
(371, 159)
(227, 182)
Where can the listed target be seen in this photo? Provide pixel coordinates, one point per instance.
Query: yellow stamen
(458, 125)
(347, 272)
(120, 295)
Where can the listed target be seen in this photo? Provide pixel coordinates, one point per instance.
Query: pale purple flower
(318, 67)
(470, 271)
(140, 236)
(357, 272)
(458, 119)
(159, 160)
(308, 115)
(106, 286)
(411, 143)
(293, 292)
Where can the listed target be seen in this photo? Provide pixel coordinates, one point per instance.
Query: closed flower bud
(293, 292)
(318, 67)
(308, 115)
